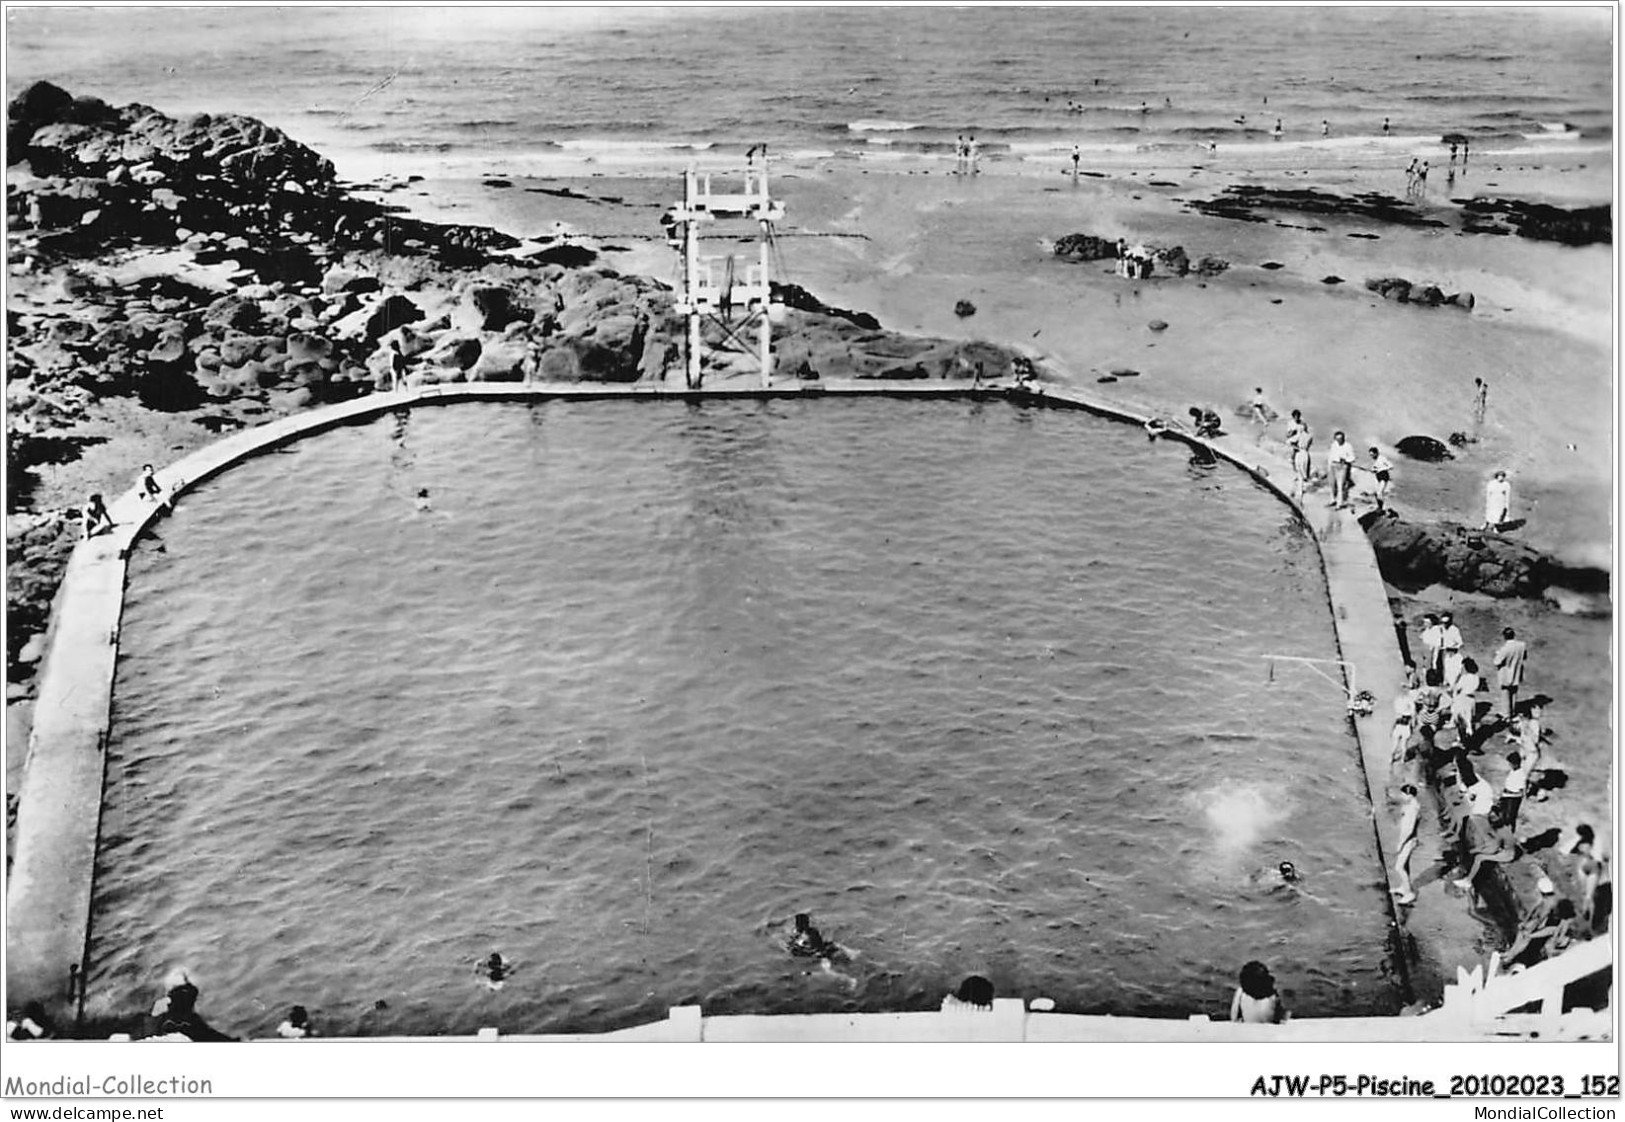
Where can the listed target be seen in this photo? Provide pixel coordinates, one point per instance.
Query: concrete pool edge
(58, 823)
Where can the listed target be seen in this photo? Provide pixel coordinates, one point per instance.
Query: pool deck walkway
(59, 815)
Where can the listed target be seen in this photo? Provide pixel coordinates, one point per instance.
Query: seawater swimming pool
(977, 685)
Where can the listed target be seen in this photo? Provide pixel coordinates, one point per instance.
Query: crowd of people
(1445, 723)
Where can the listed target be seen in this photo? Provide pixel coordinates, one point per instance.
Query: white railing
(1485, 998)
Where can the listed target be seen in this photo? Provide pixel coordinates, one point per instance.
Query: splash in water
(1238, 815)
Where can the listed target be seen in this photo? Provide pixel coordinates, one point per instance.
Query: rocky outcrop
(1403, 291)
(794, 296)
(1244, 201)
(1172, 259)
(1249, 202)
(1413, 555)
(1592, 225)
(1085, 247)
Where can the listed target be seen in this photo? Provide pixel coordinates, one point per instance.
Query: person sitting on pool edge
(147, 486)
(1255, 1001)
(175, 1014)
(975, 992)
(1206, 422)
(97, 520)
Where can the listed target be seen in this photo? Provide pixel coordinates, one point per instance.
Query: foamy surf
(880, 126)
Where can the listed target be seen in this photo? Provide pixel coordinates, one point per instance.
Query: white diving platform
(701, 294)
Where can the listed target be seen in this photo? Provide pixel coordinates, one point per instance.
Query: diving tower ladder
(703, 293)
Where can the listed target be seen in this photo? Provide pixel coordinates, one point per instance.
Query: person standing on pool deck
(1340, 466)
(1301, 439)
(1450, 642)
(1382, 474)
(1325, 128)
(1512, 790)
(1077, 154)
(1509, 659)
(1497, 502)
(1385, 126)
(1464, 700)
(970, 153)
(1410, 812)
(1432, 638)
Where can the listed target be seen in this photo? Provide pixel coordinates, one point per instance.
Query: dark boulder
(794, 296)
(569, 256)
(39, 105)
(1424, 448)
(494, 308)
(395, 311)
(1390, 288)
(1425, 295)
(1173, 260)
(1414, 555)
(1085, 247)
(963, 308)
(232, 312)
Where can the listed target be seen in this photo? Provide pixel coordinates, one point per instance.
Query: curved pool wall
(59, 816)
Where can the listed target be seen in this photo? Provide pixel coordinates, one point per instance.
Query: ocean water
(648, 678)
(496, 85)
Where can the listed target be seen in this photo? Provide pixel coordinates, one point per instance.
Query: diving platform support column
(689, 217)
(764, 328)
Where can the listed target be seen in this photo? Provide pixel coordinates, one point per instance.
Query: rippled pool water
(981, 687)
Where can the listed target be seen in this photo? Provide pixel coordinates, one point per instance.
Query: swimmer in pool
(805, 941)
(1284, 879)
(420, 500)
(494, 971)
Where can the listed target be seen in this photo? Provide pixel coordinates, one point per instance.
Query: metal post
(691, 261)
(766, 328)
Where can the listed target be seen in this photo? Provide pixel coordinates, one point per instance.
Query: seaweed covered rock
(1591, 225)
